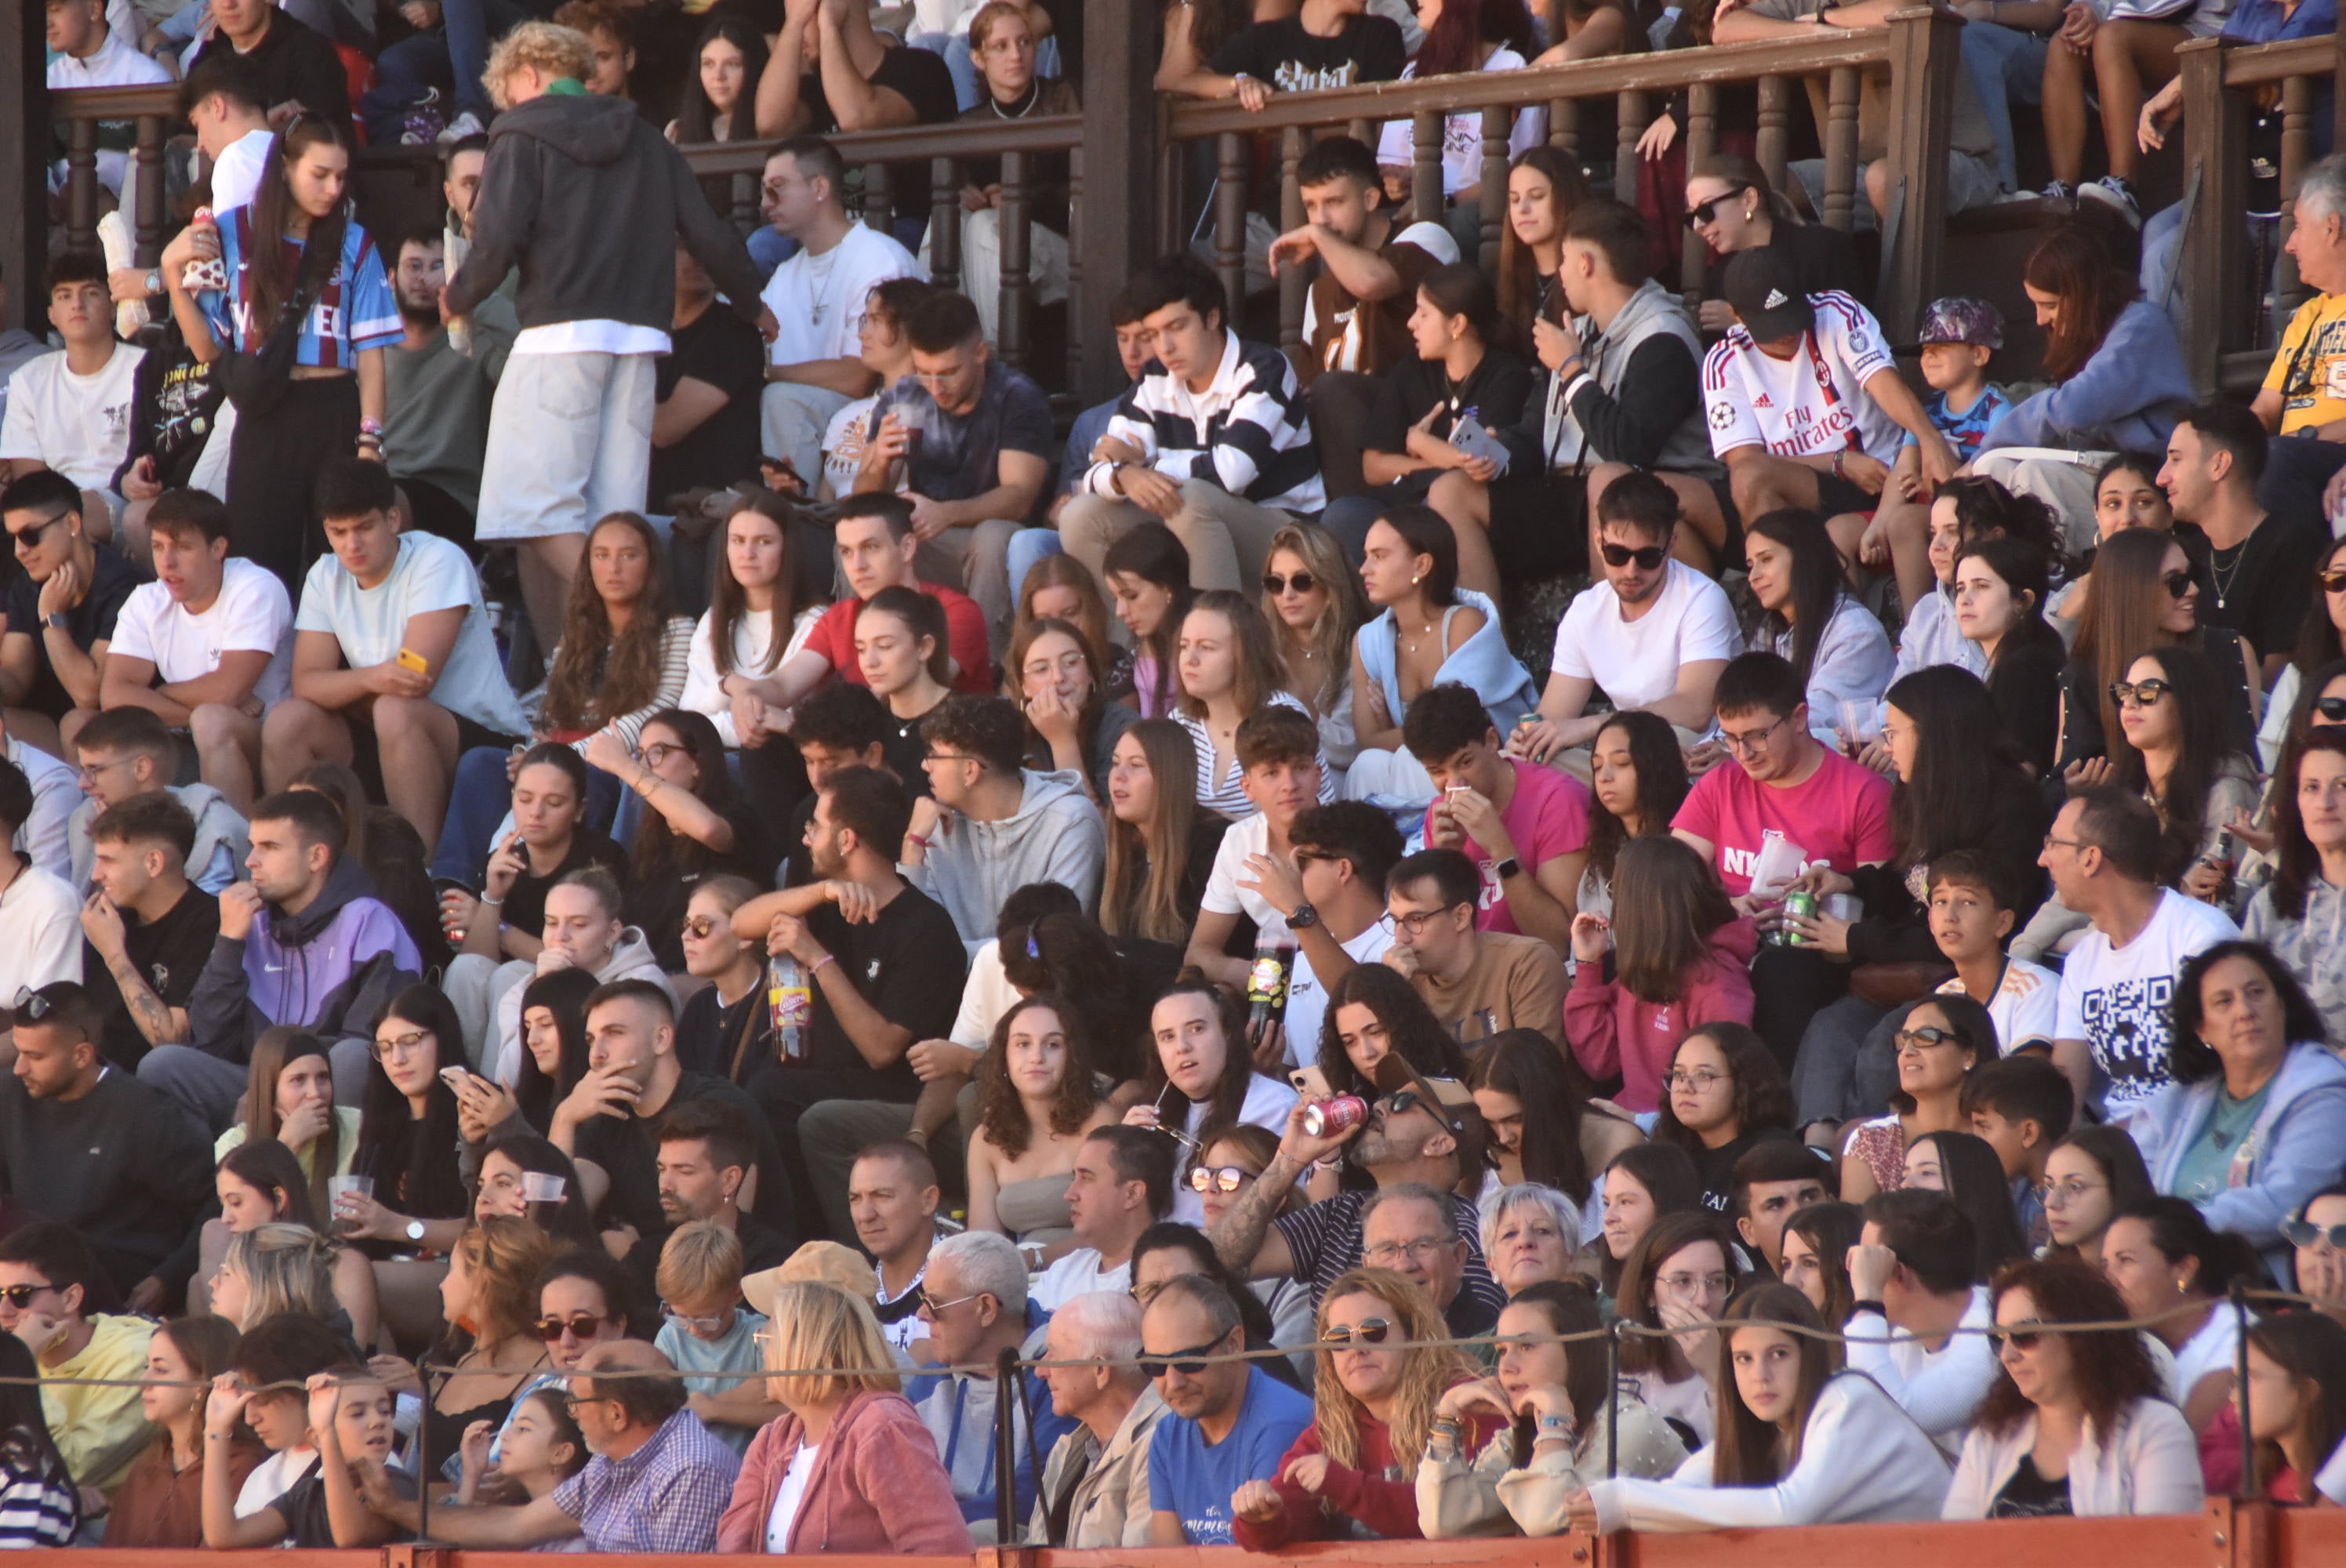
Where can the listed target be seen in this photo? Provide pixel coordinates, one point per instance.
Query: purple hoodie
(321, 969)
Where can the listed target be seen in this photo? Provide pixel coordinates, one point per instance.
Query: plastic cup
(538, 1187)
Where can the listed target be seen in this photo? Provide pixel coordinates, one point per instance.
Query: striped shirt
(34, 1511)
(1248, 432)
(354, 311)
(676, 656)
(1227, 794)
(1324, 1240)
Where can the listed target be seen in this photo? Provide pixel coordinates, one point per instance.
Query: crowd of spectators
(767, 954)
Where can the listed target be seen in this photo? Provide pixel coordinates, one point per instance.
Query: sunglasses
(1648, 558)
(21, 1296)
(1367, 1332)
(2333, 582)
(1218, 1178)
(1185, 1362)
(698, 926)
(1301, 583)
(30, 1005)
(2332, 711)
(2141, 694)
(579, 1325)
(2019, 1339)
(1927, 1037)
(2299, 1232)
(1703, 212)
(2179, 584)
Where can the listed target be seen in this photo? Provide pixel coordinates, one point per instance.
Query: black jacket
(124, 1166)
(588, 200)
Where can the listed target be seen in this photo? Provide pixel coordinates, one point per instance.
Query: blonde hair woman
(273, 1269)
(848, 1467)
(1312, 597)
(1375, 1403)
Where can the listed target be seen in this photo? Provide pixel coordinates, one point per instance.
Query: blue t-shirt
(1194, 1480)
(1964, 431)
(355, 311)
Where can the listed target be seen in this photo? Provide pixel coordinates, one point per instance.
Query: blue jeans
(2005, 66)
(1027, 546)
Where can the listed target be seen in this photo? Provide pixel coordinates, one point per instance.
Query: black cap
(1764, 287)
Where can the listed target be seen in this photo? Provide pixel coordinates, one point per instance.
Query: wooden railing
(2219, 79)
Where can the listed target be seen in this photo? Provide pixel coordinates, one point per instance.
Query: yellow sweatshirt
(99, 1430)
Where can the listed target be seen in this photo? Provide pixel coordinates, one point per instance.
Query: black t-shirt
(525, 906)
(1282, 54)
(909, 963)
(1715, 1168)
(709, 1034)
(292, 63)
(2263, 583)
(175, 400)
(628, 1148)
(169, 952)
(1824, 256)
(88, 623)
(656, 899)
(762, 1247)
(902, 748)
(2028, 1495)
(1492, 395)
(723, 351)
(921, 78)
(960, 455)
(303, 1506)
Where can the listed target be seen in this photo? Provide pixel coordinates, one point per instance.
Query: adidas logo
(1775, 299)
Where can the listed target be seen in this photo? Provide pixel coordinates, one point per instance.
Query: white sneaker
(2117, 193)
(464, 125)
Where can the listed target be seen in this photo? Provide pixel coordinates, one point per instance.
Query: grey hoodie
(1622, 418)
(219, 830)
(1055, 836)
(631, 959)
(2312, 947)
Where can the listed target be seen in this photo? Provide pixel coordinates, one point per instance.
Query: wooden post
(2296, 157)
(944, 223)
(1701, 140)
(1498, 128)
(1126, 195)
(1229, 224)
(1425, 182)
(1017, 258)
(1842, 195)
(1924, 59)
(1563, 127)
(24, 175)
(1630, 119)
(1294, 282)
(1074, 368)
(1774, 147)
(2215, 235)
(148, 213)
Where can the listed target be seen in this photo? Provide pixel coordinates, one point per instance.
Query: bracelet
(1839, 458)
(369, 426)
(1876, 1307)
(490, 902)
(920, 839)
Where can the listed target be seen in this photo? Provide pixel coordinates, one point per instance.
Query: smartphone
(408, 658)
(454, 1077)
(1310, 1083)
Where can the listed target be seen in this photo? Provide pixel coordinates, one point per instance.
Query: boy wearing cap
(1805, 404)
(1958, 338)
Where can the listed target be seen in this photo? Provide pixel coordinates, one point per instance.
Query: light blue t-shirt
(1964, 431)
(735, 1350)
(1193, 1479)
(431, 574)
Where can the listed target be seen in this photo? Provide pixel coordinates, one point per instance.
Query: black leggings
(272, 474)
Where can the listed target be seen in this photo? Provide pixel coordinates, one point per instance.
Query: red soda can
(1326, 1118)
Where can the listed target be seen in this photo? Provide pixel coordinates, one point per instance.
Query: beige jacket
(1111, 1505)
(1490, 1497)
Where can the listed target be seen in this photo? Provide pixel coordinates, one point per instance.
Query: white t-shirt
(1812, 403)
(1266, 1105)
(843, 443)
(251, 614)
(2116, 999)
(790, 1495)
(1637, 662)
(236, 176)
(1307, 998)
(2025, 1007)
(1246, 837)
(986, 996)
(430, 574)
(78, 425)
(2214, 1349)
(115, 65)
(272, 1478)
(40, 932)
(1077, 1273)
(1461, 134)
(819, 299)
(704, 688)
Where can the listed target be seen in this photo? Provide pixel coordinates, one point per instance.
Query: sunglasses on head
(30, 1005)
(580, 1324)
(1275, 584)
(2141, 694)
(1189, 1362)
(2179, 584)
(2298, 1232)
(1367, 1332)
(1648, 558)
(1703, 212)
(2018, 1337)
(21, 1296)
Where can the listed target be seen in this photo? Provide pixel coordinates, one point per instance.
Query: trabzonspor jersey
(1810, 405)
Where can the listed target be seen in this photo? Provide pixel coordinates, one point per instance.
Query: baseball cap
(1764, 287)
(1955, 319)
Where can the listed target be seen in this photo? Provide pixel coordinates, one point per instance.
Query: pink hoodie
(1612, 1032)
(877, 1486)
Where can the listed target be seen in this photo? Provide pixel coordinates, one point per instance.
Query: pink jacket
(877, 1486)
(1612, 1032)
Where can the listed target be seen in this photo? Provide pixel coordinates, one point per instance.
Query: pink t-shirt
(1839, 816)
(1547, 817)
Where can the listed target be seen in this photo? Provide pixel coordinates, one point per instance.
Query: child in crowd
(2021, 1106)
(1957, 340)
(707, 1329)
(541, 1449)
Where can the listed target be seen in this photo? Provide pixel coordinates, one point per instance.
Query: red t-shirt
(1839, 816)
(1546, 816)
(834, 638)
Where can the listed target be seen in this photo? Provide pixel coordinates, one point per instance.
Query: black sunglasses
(2299, 1233)
(2179, 583)
(1703, 212)
(581, 1325)
(30, 1005)
(21, 1296)
(2332, 582)
(2141, 694)
(1648, 558)
(1302, 582)
(2017, 1338)
(1185, 1362)
(2332, 710)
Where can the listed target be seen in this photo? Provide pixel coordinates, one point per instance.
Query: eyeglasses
(21, 1296)
(673, 1316)
(936, 1308)
(697, 926)
(1929, 1037)
(2179, 584)
(90, 772)
(1648, 558)
(2052, 842)
(405, 1044)
(1415, 921)
(2018, 1336)
(1386, 1253)
(1703, 212)
(1218, 1178)
(1687, 1284)
(1353, 1335)
(1751, 741)
(2141, 694)
(2299, 1232)
(657, 754)
(1189, 1362)
(945, 756)
(1301, 583)
(1698, 1079)
(571, 1402)
(2061, 1194)
(578, 1325)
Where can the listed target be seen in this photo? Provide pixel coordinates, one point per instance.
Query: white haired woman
(1529, 1233)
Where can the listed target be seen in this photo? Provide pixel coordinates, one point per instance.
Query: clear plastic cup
(539, 1186)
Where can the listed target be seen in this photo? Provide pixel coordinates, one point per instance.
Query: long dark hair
(1525, 1064)
(2296, 864)
(268, 1166)
(1749, 1451)
(564, 993)
(1237, 1066)
(2317, 638)
(1983, 508)
(26, 1446)
(1662, 786)
(278, 1048)
(1457, 40)
(1667, 907)
(2190, 1058)
(1155, 554)
(597, 673)
(1520, 287)
(1964, 760)
(696, 118)
(1669, 1234)
(1976, 1184)
(2021, 567)
(1830, 1228)
(1570, 1306)
(1670, 1180)
(1463, 288)
(1140, 889)
(413, 1162)
(659, 850)
(1967, 1020)
(729, 602)
(2310, 1347)
(1424, 532)
(2178, 1230)
(1066, 953)
(2119, 1159)
(2109, 1372)
(569, 1221)
(2076, 265)
(1415, 1034)
(1000, 1110)
(1816, 585)
(273, 273)
(2204, 748)
(2123, 611)
(1763, 1096)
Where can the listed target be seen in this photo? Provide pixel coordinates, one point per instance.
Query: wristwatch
(1510, 866)
(57, 619)
(1303, 919)
(414, 1231)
